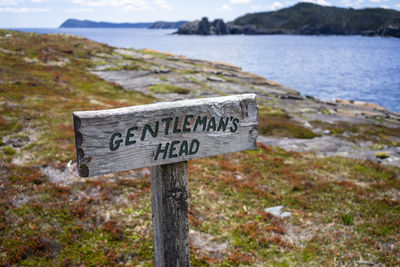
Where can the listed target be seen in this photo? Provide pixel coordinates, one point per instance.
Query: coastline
(343, 209)
(306, 117)
(282, 62)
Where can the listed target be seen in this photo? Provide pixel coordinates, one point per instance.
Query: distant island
(75, 23)
(305, 19)
(167, 25)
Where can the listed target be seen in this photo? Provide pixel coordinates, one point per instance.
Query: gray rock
(218, 27)
(159, 70)
(307, 125)
(332, 146)
(204, 27)
(278, 212)
(215, 79)
(189, 28)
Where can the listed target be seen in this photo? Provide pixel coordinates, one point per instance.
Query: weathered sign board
(156, 134)
(164, 136)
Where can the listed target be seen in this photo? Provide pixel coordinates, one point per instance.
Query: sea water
(327, 67)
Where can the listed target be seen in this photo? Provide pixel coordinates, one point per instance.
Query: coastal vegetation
(344, 211)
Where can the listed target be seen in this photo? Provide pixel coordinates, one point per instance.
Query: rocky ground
(171, 77)
(324, 205)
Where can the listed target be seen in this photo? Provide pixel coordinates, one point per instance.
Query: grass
(348, 218)
(41, 97)
(276, 122)
(343, 210)
(162, 88)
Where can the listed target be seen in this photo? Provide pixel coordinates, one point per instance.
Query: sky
(52, 13)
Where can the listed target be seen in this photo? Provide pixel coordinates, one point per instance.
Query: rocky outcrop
(389, 31)
(218, 26)
(204, 27)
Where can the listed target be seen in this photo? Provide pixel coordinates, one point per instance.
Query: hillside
(308, 18)
(167, 24)
(333, 165)
(305, 19)
(74, 23)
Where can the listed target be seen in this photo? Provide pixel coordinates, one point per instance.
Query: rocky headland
(305, 19)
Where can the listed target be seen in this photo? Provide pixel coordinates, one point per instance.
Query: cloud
(384, 6)
(23, 10)
(398, 5)
(276, 5)
(352, 3)
(239, 1)
(124, 5)
(79, 10)
(226, 7)
(257, 7)
(162, 4)
(375, 1)
(319, 2)
(10, 2)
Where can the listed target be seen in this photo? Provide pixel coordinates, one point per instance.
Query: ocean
(327, 67)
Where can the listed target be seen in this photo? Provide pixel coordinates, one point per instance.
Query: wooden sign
(165, 136)
(156, 134)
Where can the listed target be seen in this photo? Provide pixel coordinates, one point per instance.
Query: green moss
(10, 151)
(377, 146)
(325, 112)
(98, 62)
(163, 78)
(382, 155)
(168, 88)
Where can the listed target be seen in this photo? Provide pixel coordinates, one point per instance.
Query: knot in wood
(179, 196)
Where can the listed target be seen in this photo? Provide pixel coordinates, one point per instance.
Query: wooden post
(170, 199)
